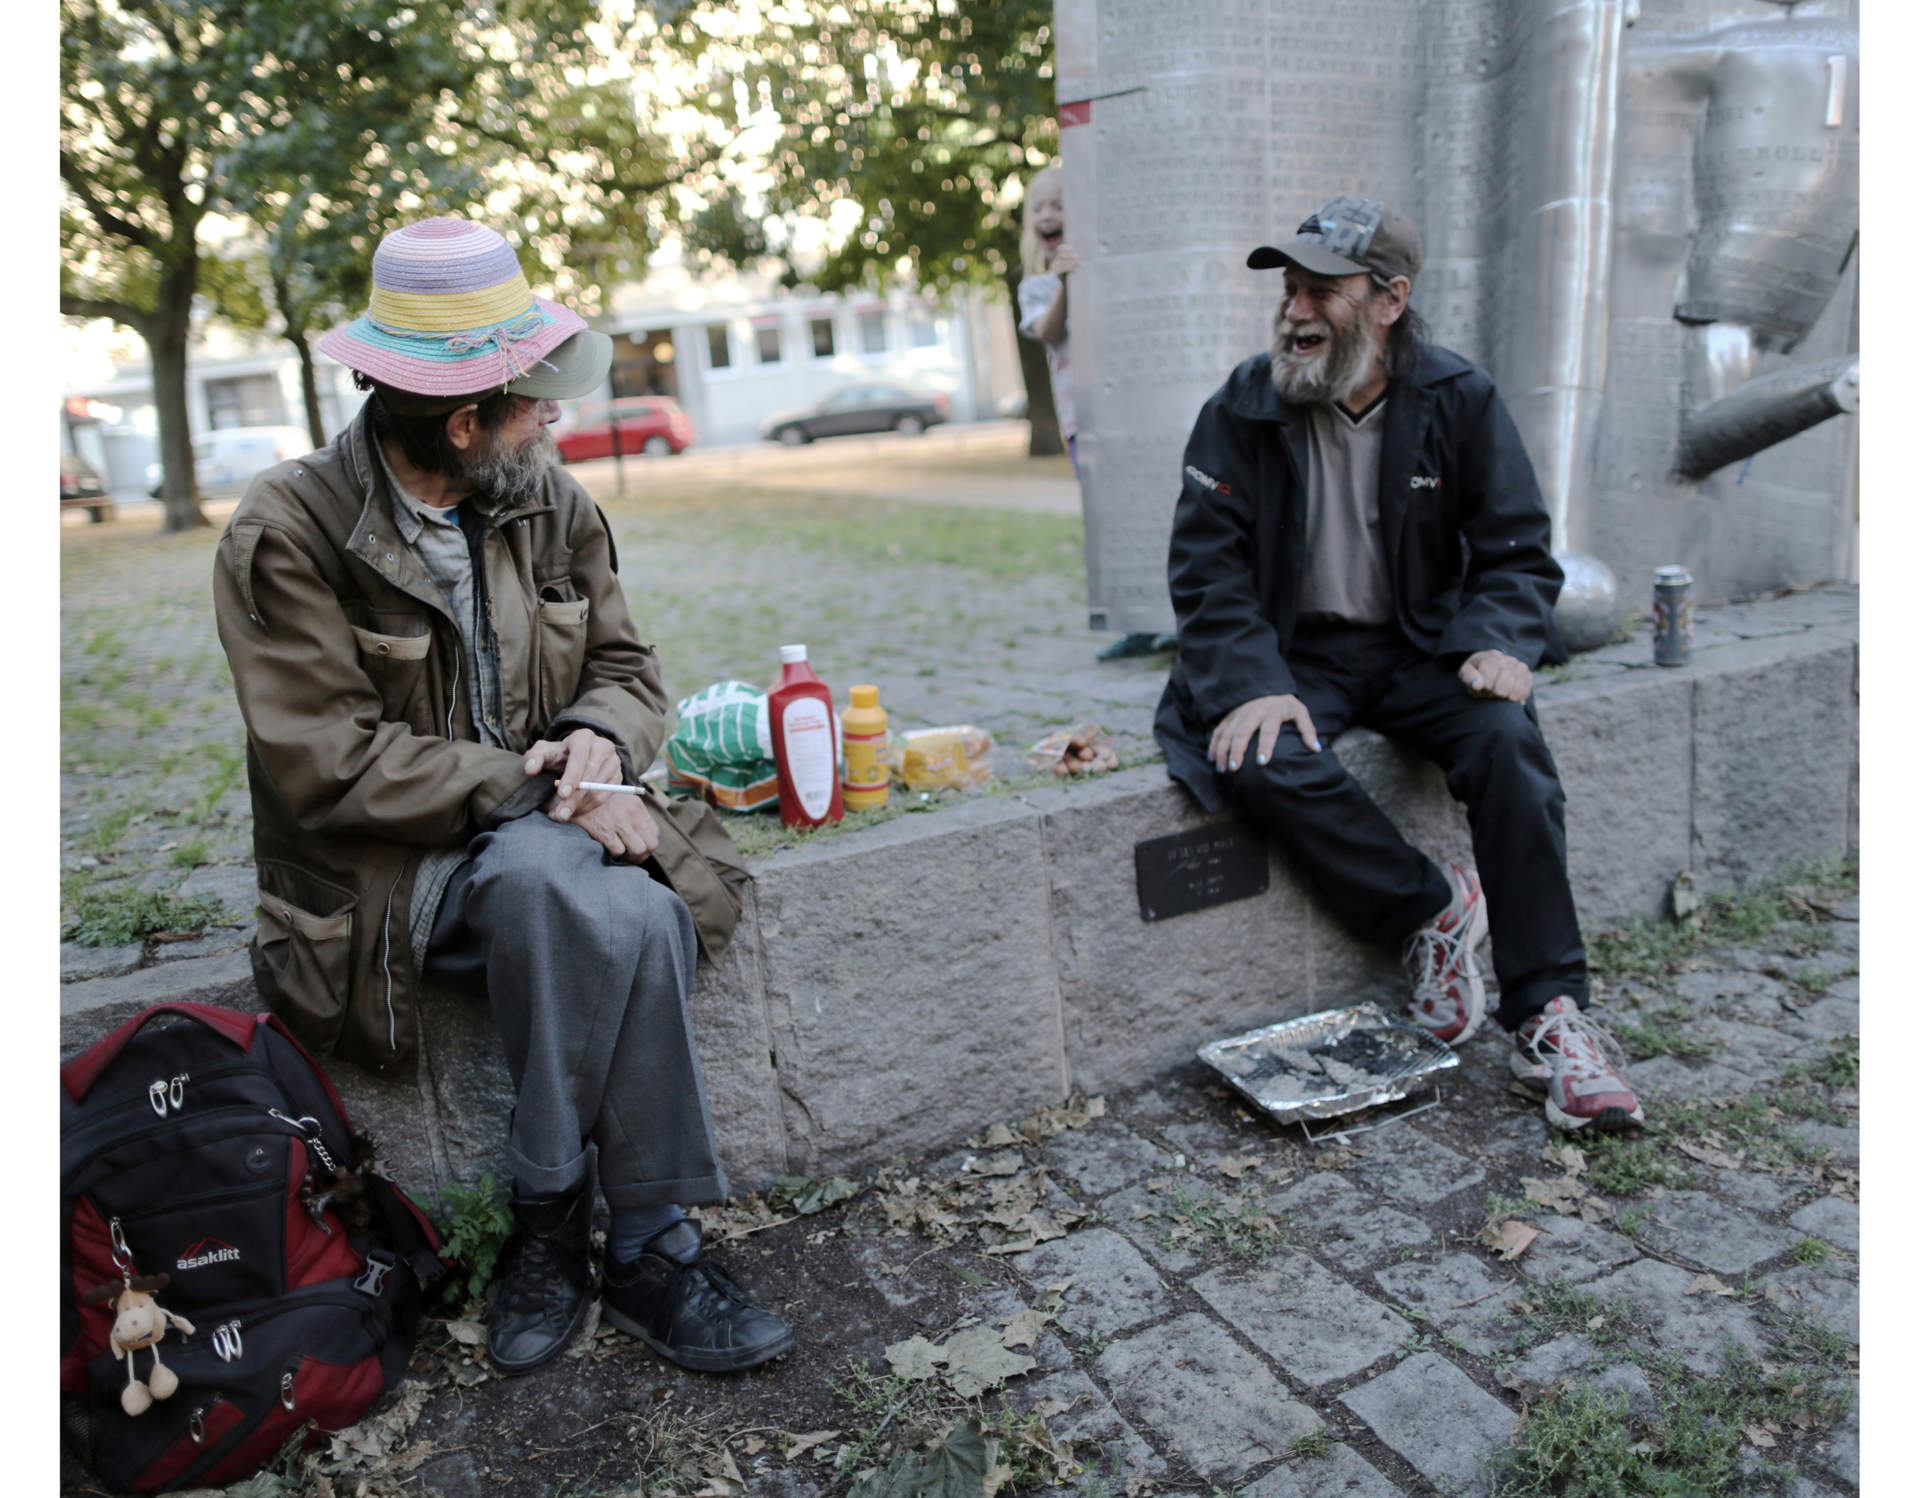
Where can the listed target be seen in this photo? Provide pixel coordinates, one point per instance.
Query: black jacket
(1466, 532)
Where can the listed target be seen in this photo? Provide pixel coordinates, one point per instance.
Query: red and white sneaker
(1570, 1058)
(1448, 997)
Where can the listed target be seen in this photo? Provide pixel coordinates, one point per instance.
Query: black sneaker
(688, 1309)
(546, 1281)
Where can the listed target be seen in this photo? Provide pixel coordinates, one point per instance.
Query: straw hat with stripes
(452, 315)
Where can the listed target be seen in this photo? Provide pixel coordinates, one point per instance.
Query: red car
(650, 424)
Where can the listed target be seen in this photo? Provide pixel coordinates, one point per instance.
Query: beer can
(1672, 616)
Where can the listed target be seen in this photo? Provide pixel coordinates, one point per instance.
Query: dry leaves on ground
(1508, 1239)
(971, 1361)
(1707, 1284)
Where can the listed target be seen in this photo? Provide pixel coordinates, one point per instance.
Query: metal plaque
(1188, 871)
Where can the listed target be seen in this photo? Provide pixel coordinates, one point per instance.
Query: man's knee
(1507, 753)
(1292, 772)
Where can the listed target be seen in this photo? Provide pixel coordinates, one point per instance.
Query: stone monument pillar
(1567, 164)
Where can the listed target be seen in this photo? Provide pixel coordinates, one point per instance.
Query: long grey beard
(513, 475)
(1331, 377)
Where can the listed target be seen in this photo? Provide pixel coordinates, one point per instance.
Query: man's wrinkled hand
(1262, 717)
(582, 755)
(620, 824)
(1494, 673)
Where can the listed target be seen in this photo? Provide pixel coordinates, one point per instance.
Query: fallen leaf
(1707, 1155)
(1687, 900)
(1508, 1239)
(975, 1361)
(914, 1358)
(467, 1333)
(1759, 1436)
(999, 1137)
(1706, 1284)
(1013, 1245)
(1595, 1211)
(1137, 1484)
(1561, 1195)
(1569, 1157)
(962, 1466)
(1005, 1163)
(1235, 1166)
(1596, 1322)
(753, 1446)
(805, 1195)
(801, 1444)
(1023, 1328)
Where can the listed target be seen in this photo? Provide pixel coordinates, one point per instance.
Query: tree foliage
(327, 123)
(908, 126)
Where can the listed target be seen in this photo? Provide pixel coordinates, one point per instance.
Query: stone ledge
(893, 989)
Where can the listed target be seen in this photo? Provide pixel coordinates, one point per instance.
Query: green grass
(1559, 1307)
(1810, 1251)
(1664, 1037)
(97, 916)
(1634, 1164)
(189, 855)
(1580, 1443)
(1310, 1447)
(1756, 1122)
(1239, 1226)
(1839, 1068)
(1655, 949)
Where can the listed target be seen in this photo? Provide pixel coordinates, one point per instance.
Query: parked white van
(226, 459)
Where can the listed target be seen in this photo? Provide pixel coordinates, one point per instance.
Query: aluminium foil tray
(1395, 1057)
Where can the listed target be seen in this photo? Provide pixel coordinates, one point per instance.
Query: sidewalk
(1217, 1307)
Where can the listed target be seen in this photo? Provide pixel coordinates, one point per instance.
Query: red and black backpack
(205, 1144)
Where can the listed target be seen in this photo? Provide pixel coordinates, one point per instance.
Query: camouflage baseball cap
(1349, 236)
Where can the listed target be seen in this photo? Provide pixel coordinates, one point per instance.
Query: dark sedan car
(872, 407)
(81, 489)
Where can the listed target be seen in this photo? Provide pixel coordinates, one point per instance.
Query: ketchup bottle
(800, 713)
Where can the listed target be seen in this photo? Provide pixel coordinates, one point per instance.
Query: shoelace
(1433, 952)
(1584, 1046)
(534, 1268)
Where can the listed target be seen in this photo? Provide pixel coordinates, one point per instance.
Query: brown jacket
(361, 752)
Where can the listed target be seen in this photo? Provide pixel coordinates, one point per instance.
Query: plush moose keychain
(140, 1321)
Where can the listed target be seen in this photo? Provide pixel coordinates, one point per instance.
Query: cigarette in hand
(597, 785)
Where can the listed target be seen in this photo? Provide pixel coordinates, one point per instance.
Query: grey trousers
(586, 963)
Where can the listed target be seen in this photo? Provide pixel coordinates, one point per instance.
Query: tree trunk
(309, 387)
(166, 335)
(1043, 425)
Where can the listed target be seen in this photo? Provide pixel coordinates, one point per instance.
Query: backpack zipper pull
(122, 1255)
(197, 1427)
(157, 1095)
(286, 1391)
(177, 1091)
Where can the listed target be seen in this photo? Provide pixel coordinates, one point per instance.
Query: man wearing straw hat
(432, 654)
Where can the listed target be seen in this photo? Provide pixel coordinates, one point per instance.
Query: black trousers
(1378, 885)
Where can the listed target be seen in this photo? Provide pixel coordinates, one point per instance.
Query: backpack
(202, 1144)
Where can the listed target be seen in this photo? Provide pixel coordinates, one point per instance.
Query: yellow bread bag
(928, 759)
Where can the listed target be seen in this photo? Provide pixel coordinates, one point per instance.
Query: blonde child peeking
(1048, 260)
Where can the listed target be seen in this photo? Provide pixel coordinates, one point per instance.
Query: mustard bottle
(863, 737)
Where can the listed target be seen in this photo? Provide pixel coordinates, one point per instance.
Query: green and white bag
(722, 749)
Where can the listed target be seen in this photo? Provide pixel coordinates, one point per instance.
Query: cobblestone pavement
(1242, 1312)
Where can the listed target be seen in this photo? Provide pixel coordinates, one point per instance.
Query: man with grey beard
(1360, 539)
(448, 710)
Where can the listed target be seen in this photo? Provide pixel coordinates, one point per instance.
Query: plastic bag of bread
(1080, 750)
(928, 759)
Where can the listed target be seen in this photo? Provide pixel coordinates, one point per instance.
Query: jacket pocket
(562, 651)
(396, 664)
(302, 950)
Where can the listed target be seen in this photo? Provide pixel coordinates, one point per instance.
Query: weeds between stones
(1310, 1447)
(1838, 1069)
(1662, 1038)
(1655, 949)
(1580, 1443)
(113, 916)
(1238, 1226)
(1559, 1306)
(1633, 1164)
